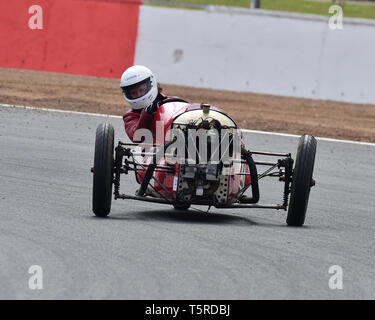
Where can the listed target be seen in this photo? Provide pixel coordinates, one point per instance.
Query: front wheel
(103, 170)
(301, 180)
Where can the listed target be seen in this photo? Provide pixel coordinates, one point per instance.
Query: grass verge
(319, 7)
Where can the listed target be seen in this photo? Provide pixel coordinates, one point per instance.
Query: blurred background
(352, 8)
(276, 65)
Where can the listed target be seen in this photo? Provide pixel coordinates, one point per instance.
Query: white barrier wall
(266, 53)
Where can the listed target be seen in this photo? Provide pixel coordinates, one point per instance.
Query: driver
(143, 93)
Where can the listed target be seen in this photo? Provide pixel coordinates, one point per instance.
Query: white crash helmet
(135, 77)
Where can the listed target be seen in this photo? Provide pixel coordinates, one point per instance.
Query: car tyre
(103, 170)
(301, 180)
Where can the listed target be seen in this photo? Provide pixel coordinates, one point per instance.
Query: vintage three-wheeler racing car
(198, 157)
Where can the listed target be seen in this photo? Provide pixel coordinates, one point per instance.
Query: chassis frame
(282, 169)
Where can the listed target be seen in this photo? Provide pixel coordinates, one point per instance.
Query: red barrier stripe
(95, 38)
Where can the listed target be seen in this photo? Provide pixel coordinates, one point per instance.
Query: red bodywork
(165, 116)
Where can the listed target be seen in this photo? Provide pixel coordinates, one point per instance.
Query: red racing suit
(139, 119)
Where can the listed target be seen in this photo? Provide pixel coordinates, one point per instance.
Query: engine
(206, 159)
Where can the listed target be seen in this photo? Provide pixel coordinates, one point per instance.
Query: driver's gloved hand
(151, 109)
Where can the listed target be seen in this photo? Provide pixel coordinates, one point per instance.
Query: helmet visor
(137, 90)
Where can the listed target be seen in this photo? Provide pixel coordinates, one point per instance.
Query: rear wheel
(302, 180)
(103, 170)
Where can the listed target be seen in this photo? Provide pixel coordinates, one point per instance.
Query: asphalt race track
(149, 251)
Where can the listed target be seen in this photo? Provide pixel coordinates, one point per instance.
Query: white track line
(318, 138)
(244, 130)
(59, 110)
